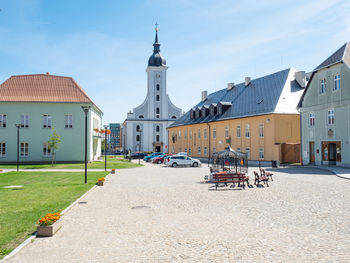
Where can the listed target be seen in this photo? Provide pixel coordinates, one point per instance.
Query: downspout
(301, 138)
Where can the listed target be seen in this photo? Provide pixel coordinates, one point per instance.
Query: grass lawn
(42, 193)
(116, 162)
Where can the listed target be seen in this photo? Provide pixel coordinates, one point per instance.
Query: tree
(54, 144)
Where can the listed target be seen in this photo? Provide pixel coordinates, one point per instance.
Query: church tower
(145, 128)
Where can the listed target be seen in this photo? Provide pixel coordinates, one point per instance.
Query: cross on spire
(156, 26)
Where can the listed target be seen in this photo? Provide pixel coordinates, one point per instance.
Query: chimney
(300, 77)
(247, 81)
(204, 95)
(230, 85)
(47, 73)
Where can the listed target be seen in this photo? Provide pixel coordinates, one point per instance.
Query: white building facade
(145, 128)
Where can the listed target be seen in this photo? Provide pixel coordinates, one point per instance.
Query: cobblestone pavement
(156, 214)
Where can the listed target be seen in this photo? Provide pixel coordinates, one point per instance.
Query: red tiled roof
(42, 88)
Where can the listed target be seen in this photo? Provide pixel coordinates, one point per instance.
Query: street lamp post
(18, 126)
(140, 146)
(105, 126)
(86, 111)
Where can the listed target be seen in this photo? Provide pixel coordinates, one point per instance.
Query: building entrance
(331, 152)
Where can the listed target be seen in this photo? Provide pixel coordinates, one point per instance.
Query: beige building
(258, 117)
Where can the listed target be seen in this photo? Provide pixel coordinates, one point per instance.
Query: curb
(29, 239)
(325, 169)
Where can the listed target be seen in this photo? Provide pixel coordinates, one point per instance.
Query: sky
(105, 45)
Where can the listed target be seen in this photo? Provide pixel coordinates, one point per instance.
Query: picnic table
(229, 177)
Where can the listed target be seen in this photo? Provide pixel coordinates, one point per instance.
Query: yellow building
(258, 117)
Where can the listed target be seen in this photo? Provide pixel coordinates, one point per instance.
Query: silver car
(177, 160)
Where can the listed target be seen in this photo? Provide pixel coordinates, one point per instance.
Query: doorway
(332, 152)
(312, 152)
(157, 149)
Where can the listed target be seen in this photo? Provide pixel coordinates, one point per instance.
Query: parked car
(136, 155)
(158, 159)
(149, 157)
(182, 153)
(176, 160)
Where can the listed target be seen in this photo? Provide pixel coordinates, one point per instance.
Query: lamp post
(86, 111)
(105, 126)
(18, 126)
(140, 130)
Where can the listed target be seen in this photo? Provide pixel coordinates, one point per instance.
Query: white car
(181, 154)
(176, 160)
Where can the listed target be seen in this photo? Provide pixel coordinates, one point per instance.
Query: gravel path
(156, 214)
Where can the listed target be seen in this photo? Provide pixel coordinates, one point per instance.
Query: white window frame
(24, 121)
(238, 131)
(330, 117)
(68, 121)
(3, 119)
(47, 121)
(214, 133)
(247, 150)
(179, 134)
(24, 149)
(311, 119)
(2, 149)
(337, 83)
(226, 132)
(189, 151)
(185, 134)
(46, 150)
(238, 149)
(261, 154)
(205, 133)
(261, 130)
(199, 133)
(191, 134)
(323, 86)
(199, 150)
(214, 149)
(247, 130)
(205, 150)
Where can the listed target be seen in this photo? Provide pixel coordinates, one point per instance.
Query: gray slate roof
(341, 55)
(261, 96)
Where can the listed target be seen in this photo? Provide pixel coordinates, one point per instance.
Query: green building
(41, 104)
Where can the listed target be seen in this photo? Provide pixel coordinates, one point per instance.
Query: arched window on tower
(138, 128)
(137, 138)
(157, 98)
(157, 110)
(158, 87)
(157, 128)
(157, 138)
(173, 117)
(141, 117)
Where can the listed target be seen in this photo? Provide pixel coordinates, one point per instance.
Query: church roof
(42, 88)
(341, 55)
(156, 60)
(275, 93)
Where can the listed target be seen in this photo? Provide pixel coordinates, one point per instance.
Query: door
(312, 151)
(332, 152)
(158, 149)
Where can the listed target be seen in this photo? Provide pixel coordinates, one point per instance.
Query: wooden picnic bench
(230, 177)
(264, 173)
(261, 178)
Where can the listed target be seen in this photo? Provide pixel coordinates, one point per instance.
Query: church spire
(156, 45)
(156, 59)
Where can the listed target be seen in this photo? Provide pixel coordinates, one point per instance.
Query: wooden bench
(261, 178)
(229, 177)
(264, 173)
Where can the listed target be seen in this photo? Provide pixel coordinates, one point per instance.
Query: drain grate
(82, 203)
(140, 207)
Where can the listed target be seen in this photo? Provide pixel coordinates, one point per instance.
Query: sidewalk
(341, 172)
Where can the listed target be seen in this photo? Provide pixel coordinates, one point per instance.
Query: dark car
(136, 155)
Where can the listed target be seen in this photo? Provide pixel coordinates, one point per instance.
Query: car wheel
(195, 164)
(159, 162)
(174, 165)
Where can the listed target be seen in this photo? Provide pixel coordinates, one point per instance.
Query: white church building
(145, 128)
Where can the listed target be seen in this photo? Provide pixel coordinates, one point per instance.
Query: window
(157, 138)
(323, 86)
(173, 117)
(247, 131)
(238, 131)
(330, 117)
(68, 121)
(46, 149)
(24, 121)
(157, 98)
(2, 121)
(205, 133)
(261, 153)
(185, 150)
(185, 134)
(179, 134)
(247, 151)
(137, 137)
(2, 149)
(214, 133)
(141, 117)
(138, 128)
(157, 111)
(47, 121)
(189, 151)
(24, 149)
(158, 87)
(336, 82)
(226, 132)
(190, 134)
(157, 116)
(214, 150)
(199, 133)
(199, 150)
(205, 150)
(261, 130)
(157, 128)
(311, 119)
(238, 149)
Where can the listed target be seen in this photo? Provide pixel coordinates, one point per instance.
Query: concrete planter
(49, 231)
(100, 183)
